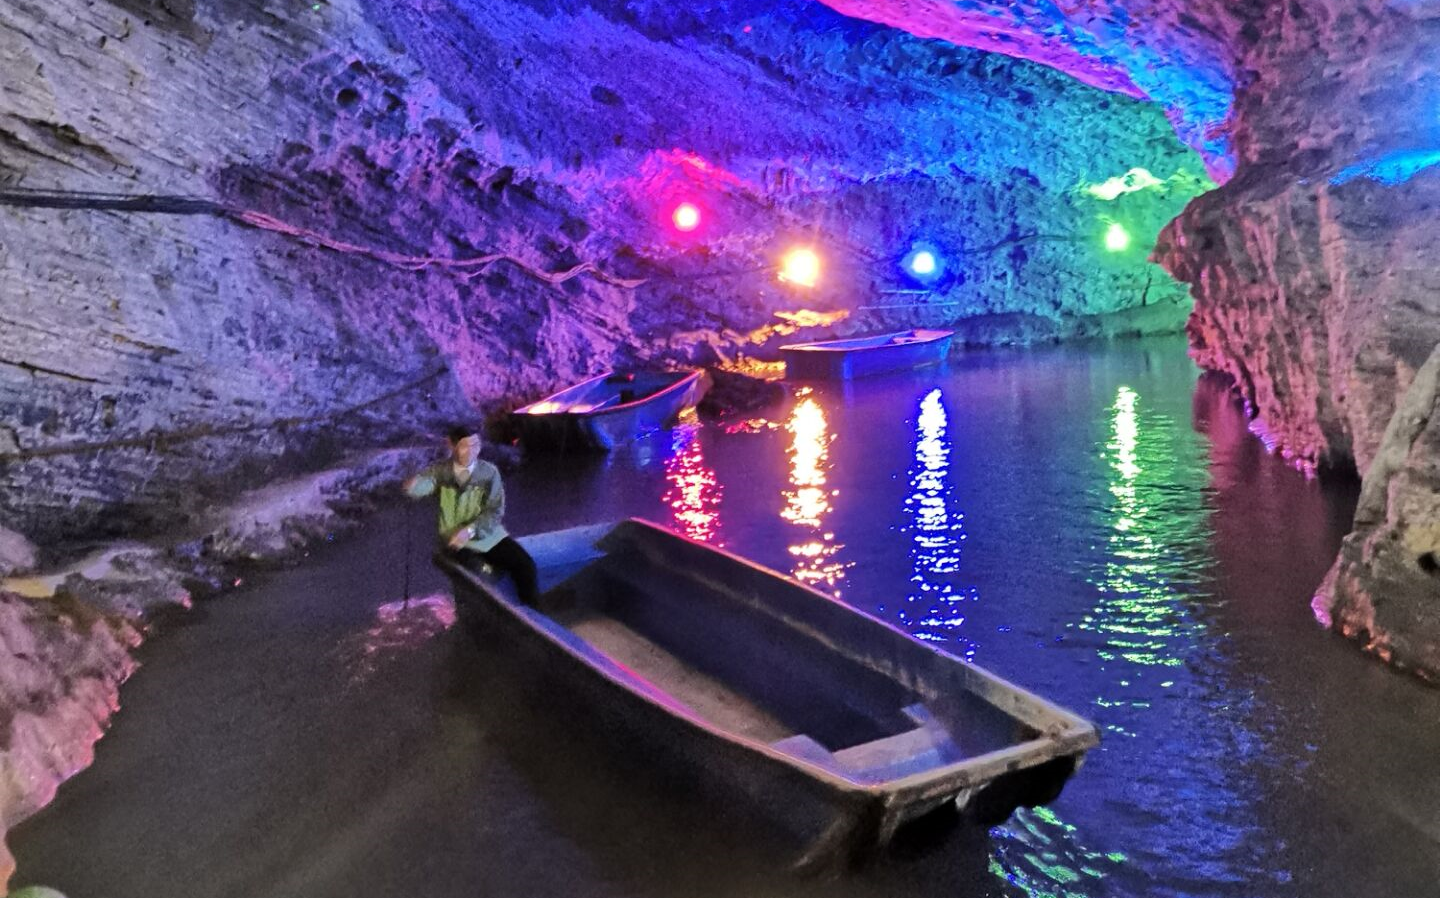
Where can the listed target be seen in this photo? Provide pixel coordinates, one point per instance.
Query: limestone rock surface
(1384, 589)
(67, 635)
(379, 216)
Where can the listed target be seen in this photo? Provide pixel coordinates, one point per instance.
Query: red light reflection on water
(694, 493)
(400, 627)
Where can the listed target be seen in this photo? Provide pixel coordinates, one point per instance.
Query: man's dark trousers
(508, 557)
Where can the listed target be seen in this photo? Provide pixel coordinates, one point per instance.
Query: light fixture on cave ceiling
(685, 217)
(801, 267)
(1133, 180)
(923, 263)
(1117, 239)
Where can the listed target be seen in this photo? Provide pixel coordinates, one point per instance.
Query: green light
(1117, 239)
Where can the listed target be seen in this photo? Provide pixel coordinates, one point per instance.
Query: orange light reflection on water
(807, 502)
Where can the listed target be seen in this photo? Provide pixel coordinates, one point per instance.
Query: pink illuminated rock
(60, 675)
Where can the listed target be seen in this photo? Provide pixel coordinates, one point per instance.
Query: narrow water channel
(1090, 522)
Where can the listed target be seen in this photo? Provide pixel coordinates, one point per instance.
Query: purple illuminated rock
(1185, 56)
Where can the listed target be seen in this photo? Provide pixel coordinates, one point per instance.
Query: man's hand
(461, 537)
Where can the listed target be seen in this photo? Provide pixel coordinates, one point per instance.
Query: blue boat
(601, 413)
(863, 356)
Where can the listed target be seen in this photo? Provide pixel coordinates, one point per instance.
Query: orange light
(801, 267)
(686, 217)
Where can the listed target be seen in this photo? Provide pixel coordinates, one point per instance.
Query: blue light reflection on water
(935, 608)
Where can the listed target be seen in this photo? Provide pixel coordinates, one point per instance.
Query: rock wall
(335, 183)
(1313, 269)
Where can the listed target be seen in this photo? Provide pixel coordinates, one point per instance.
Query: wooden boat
(863, 356)
(822, 722)
(603, 412)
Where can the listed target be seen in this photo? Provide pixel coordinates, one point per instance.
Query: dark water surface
(1089, 522)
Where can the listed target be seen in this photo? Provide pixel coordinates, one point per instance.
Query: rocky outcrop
(59, 683)
(1384, 589)
(1317, 300)
(17, 554)
(367, 218)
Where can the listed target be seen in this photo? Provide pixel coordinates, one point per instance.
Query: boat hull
(835, 360)
(812, 827)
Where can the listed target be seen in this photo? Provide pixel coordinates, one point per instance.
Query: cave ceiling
(1181, 55)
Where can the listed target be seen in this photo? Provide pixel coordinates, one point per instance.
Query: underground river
(1087, 521)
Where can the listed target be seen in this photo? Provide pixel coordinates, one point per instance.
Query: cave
(1178, 469)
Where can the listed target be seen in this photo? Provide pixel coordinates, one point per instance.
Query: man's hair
(457, 432)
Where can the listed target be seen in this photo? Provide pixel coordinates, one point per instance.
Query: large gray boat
(778, 698)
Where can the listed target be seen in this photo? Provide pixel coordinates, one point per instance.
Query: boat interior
(726, 658)
(607, 391)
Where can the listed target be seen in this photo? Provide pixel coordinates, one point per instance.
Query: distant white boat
(863, 356)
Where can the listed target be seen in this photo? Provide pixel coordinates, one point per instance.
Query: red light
(686, 217)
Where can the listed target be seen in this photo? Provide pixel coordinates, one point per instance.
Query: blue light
(923, 263)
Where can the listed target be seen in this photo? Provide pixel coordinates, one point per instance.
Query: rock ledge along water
(69, 634)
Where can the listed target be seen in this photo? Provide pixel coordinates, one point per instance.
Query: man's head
(464, 444)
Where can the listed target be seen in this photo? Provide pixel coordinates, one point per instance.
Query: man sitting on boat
(472, 504)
